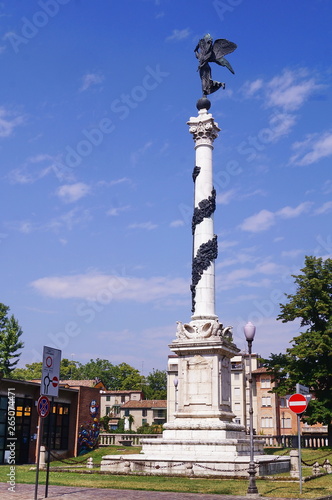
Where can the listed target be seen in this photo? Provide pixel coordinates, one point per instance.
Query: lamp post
(249, 332)
(176, 383)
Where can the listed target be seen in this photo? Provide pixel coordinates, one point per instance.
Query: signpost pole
(50, 387)
(39, 437)
(298, 404)
(49, 435)
(299, 443)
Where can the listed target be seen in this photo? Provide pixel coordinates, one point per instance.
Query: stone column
(205, 247)
(204, 346)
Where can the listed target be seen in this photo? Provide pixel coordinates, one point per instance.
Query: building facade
(151, 412)
(73, 410)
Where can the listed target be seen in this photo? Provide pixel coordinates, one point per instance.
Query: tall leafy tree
(309, 360)
(115, 377)
(68, 370)
(156, 385)
(10, 343)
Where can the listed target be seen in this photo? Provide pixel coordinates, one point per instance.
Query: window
(237, 420)
(267, 422)
(265, 383)
(108, 398)
(237, 407)
(144, 412)
(116, 410)
(144, 421)
(286, 423)
(266, 401)
(283, 403)
(236, 376)
(237, 391)
(59, 425)
(108, 410)
(123, 399)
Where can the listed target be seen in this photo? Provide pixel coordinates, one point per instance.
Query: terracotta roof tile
(146, 403)
(79, 383)
(262, 369)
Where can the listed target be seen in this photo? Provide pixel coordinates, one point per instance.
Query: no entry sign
(297, 403)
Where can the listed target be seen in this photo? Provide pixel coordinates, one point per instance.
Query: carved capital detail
(202, 329)
(204, 129)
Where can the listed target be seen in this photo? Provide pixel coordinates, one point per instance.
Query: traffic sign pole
(299, 444)
(298, 404)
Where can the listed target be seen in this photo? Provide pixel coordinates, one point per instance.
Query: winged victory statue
(208, 51)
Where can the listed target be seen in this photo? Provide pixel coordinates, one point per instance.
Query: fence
(291, 441)
(106, 439)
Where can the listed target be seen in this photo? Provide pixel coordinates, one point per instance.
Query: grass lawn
(318, 487)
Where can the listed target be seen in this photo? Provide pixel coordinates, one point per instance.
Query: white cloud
(291, 253)
(37, 167)
(281, 124)
(106, 288)
(324, 209)
(67, 220)
(289, 212)
(251, 88)
(258, 222)
(225, 197)
(327, 187)
(290, 90)
(177, 223)
(136, 155)
(178, 35)
(8, 122)
(312, 149)
(224, 244)
(89, 80)
(264, 219)
(70, 193)
(114, 212)
(143, 225)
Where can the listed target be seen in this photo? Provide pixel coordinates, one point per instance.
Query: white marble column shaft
(204, 130)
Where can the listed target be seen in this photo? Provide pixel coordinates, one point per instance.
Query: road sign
(302, 389)
(43, 406)
(297, 403)
(51, 372)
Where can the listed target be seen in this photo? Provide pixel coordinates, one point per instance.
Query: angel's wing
(222, 47)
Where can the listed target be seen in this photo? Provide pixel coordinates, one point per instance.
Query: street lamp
(249, 332)
(176, 383)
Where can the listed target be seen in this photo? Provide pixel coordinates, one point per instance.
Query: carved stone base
(204, 328)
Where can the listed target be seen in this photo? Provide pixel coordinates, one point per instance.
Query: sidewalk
(27, 492)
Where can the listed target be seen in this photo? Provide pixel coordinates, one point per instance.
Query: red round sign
(55, 381)
(43, 406)
(297, 403)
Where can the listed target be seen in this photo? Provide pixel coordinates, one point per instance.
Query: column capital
(204, 128)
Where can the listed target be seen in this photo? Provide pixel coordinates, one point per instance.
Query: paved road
(27, 492)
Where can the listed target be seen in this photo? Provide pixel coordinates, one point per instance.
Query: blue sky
(96, 164)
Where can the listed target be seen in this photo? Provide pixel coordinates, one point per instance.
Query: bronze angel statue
(206, 51)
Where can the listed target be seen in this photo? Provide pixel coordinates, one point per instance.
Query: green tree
(33, 371)
(156, 385)
(10, 343)
(309, 360)
(115, 377)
